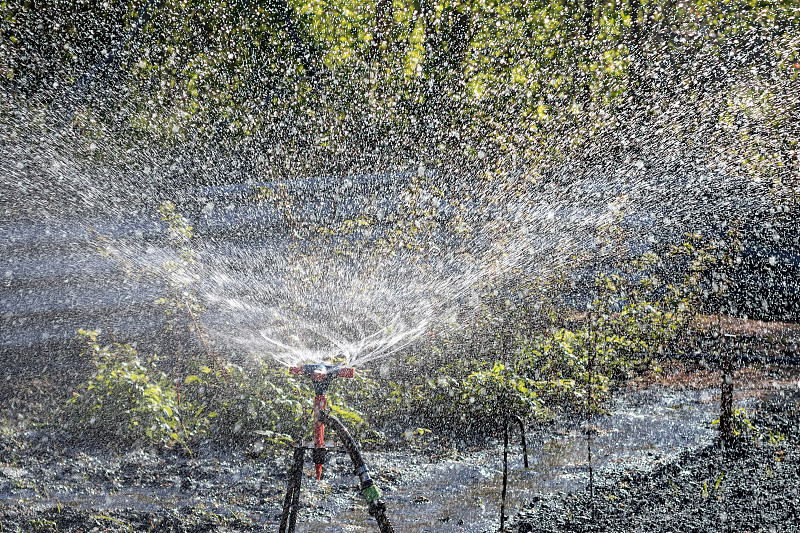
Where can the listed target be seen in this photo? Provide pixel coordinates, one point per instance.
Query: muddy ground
(53, 481)
(49, 481)
(749, 486)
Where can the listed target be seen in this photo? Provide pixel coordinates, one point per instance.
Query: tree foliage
(312, 87)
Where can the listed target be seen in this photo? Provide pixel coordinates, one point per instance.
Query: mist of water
(432, 244)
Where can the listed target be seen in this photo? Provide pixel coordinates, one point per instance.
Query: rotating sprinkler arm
(321, 375)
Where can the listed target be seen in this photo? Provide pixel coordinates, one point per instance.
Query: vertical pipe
(591, 474)
(505, 477)
(524, 441)
(591, 349)
(726, 399)
(320, 404)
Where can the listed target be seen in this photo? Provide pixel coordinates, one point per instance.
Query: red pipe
(321, 375)
(320, 404)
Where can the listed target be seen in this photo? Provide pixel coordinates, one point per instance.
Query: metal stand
(292, 499)
(590, 404)
(726, 431)
(521, 423)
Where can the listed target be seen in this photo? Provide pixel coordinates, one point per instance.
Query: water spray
(322, 375)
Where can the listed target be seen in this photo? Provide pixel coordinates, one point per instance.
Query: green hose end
(371, 494)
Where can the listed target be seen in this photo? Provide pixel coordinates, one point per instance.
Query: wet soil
(655, 467)
(48, 483)
(749, 486)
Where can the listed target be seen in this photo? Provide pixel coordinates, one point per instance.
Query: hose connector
(370, 493)
(369, 490)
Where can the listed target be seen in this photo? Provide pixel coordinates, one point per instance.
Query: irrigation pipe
(521, 423)
(377, 508)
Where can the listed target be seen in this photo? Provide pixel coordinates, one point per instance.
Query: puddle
(463, 495)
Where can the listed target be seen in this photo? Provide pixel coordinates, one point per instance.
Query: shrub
(127, 397)
(470, 397)
(131, 399)
(232, 403)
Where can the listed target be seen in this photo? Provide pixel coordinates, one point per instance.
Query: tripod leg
(505, 477)
(299, 457)
(289, 514)
(287, 501)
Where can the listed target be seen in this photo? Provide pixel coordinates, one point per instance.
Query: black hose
(348, 441)
(377, 508)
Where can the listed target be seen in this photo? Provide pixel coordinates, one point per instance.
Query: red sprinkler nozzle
(321, 375)
(347, 372)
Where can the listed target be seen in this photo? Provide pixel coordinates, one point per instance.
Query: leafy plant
(233, 403)
(127, 396)
(745, 429)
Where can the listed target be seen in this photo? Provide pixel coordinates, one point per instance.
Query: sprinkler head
(322, 374)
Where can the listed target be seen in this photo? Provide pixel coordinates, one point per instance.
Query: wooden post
(726, 392)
